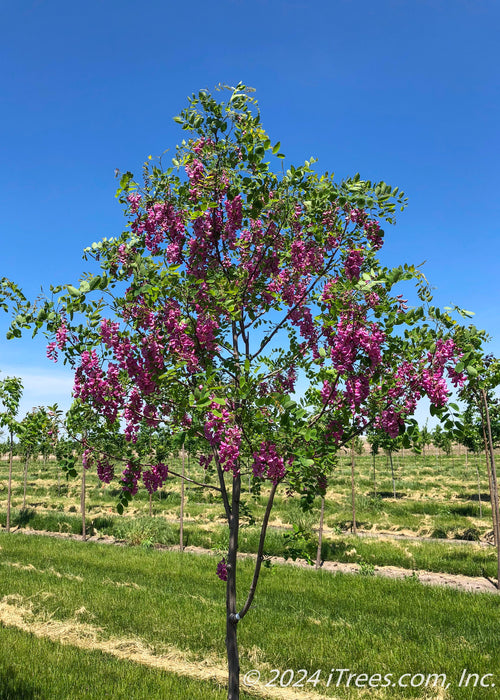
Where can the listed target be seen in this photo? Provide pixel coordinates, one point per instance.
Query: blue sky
(401, 90)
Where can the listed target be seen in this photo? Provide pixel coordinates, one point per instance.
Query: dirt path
(471, 584)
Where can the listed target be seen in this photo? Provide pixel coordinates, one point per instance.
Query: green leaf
(220, 402)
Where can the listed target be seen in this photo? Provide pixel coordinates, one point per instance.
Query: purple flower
(222, 570)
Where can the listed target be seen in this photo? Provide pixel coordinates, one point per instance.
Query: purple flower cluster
(268, 463)
(87, 458)
(222, 570)
(105, 470)
(130, 477)
(353, 264)
(224, 435)
(155, 477)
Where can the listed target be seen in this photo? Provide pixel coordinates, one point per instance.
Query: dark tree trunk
(374, 477)
(233, 661)
(82, 504)
(353, 493)
(181, 515)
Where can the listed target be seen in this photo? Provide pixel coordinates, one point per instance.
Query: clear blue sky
(401, 90)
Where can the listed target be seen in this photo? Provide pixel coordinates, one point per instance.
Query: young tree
(373, 438)
(11, 390)
(232, 287)
(390, 445)
(32, 436)
(479, 394)
(425, 439)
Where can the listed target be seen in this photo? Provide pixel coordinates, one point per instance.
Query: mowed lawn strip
(470, 559)
(301, 619)
(33, 668)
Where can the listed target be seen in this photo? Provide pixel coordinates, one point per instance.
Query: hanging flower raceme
(222, 570)
(87, 458)
(267, 463)
(103, 389)
(155, 477)
(224, 436)
(59, 343)
(130, 477)
(105, 470)
(353, 264)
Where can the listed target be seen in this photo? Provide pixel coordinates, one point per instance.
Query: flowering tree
(233, 292)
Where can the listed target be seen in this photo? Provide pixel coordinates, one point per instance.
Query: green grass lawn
(301, 619)
(38, 669)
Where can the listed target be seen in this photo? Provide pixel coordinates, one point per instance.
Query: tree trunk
(233, 661)
(374, 478)
(494, 484)
(181, 515)
(25, 480)
(320, 533)
(353, 493)
(150, 505)
(82, 504)
(479, 490)
(9, 488)
(392, 472)
(490, 480)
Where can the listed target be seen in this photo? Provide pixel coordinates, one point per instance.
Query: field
(433, 523)
(110, 605)
(150, 622)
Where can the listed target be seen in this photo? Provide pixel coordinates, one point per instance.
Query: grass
(436, 499)
(443, 556)
(301, 618)
(57, 672)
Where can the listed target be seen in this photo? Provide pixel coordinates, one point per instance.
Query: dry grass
(53, 572)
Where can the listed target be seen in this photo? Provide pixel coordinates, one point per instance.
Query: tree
(11, 390)
(373, 438)
(233, 287)
(479, 394)
(390, 445)
(425, 439)
(471, 438)
(32, 435)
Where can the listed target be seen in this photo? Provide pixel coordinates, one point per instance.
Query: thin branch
(223, 489)
(258, 563)
(192, 481)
